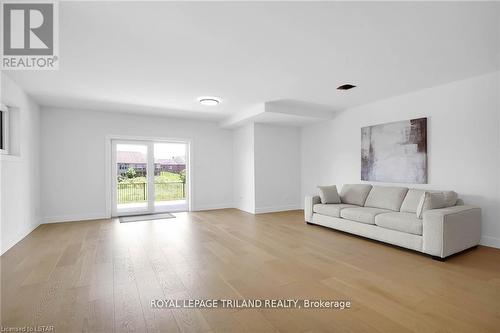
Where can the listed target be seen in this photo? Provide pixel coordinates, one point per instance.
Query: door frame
(110, 167)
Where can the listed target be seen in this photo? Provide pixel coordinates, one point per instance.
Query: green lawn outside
(168, 176)
(168, 186)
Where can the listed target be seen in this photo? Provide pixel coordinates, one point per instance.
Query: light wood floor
(100, 276)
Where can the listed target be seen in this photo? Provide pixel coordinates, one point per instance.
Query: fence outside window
(138, 192)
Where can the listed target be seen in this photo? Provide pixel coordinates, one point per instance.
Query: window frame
(5, 129)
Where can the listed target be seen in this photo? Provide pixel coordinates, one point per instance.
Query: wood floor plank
(100, 276)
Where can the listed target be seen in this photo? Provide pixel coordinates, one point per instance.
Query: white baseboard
(212, 207)
(19, 237)
(100, 216)
(73, 218)
(490, 241)
(271, 209)
(243, 209)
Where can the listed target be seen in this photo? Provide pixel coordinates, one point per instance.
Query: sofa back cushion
(355, 194)
(410, 203)
(413, 197)
(386, 197)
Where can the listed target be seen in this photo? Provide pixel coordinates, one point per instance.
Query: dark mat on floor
(148, 217)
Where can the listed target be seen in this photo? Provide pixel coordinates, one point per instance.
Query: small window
(4, 130)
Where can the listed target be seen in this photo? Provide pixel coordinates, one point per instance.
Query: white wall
(277, 168)
(19, 174)
(266, 168)
(74, 151)
(463, 143)
(244, 168)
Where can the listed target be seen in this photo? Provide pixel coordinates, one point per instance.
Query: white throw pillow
(329, 194)
(430, 201)
(450, 197)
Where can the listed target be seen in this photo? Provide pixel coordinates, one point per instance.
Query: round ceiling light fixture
(209, 100)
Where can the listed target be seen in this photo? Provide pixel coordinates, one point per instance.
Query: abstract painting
(395, 152)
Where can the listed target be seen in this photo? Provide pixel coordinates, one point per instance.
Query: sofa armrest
(450, 230)
(311, 200)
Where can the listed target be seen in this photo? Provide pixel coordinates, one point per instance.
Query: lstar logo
(29, 36)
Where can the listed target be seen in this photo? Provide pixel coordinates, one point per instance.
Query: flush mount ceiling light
(209, 100)
(345, 87)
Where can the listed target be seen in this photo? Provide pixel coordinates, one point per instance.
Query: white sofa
(388, 214)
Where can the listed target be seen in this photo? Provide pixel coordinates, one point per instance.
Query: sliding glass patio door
(170, 176)
(148, 177)
(132, 181)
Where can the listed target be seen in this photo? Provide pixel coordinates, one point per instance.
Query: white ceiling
(159, 57)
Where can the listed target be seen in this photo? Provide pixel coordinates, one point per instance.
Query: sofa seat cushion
(386, 197)
(331, 209)
(404, 222)
(362, 214)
